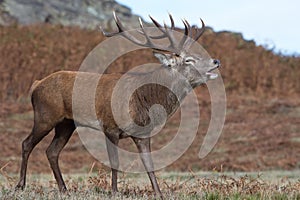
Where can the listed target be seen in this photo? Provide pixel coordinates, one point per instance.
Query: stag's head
(176, 56)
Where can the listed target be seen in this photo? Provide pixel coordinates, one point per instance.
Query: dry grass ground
(174, 185)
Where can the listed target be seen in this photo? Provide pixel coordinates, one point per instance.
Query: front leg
(112, 149)
(143, 145)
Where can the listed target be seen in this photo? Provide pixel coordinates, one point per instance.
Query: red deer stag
(52, 99)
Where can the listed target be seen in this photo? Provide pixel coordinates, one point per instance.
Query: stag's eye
(190, 60)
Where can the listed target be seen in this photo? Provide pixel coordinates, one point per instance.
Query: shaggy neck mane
(163, 84)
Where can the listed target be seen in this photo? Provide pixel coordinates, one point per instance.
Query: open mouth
(211, 75)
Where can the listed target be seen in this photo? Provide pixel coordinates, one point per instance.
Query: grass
(201, 185)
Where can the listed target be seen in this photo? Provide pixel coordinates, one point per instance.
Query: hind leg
(63, 132)
(112, 150)
(39, 131)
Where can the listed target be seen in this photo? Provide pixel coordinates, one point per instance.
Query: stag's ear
(164, 59)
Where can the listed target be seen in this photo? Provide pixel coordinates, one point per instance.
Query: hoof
(63, 190)
(19, 188)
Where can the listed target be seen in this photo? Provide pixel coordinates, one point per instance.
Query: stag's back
(52, 96)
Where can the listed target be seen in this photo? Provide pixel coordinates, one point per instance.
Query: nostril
(216, 62)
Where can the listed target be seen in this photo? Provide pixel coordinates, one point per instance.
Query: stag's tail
(34, 85)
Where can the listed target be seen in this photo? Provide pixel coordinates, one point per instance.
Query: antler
(192, 38)
(187, 40)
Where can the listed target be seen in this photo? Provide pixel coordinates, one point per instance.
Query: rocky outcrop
(83, 13)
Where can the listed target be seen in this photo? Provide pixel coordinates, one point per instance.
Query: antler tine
(171, 39)
(118, 22)
(189, 27)
(187, 40)
(196, 36)
(186, 29)
(148, 42)
(156, 23)
(119, 25)
(186, 33)
(199, 32)
(166, 33)
(172, 22)
(159, 26)
(122, 32)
